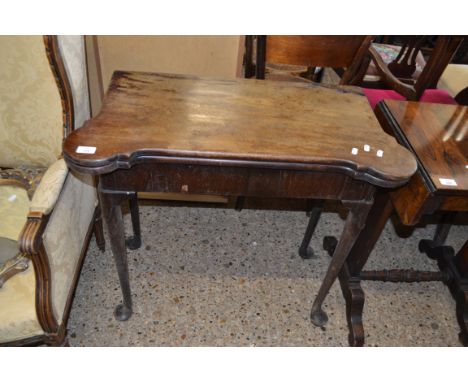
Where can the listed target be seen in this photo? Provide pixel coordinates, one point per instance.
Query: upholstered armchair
(47, 213)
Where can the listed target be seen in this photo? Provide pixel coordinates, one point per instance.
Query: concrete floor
(216, 277)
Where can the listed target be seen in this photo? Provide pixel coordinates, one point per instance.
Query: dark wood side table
(242, 138)
(438, 136)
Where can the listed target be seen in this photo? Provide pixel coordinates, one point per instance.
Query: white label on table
(448, 182)
(85, 150)
(366, 148)
(354, 151)
(380, 153)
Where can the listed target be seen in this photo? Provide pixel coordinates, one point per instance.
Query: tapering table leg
(112, 212)
(354, 223)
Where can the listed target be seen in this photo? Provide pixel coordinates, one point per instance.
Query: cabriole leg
(354, 223)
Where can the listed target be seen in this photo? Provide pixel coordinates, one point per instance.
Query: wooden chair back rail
(404, 65)
(315, 51)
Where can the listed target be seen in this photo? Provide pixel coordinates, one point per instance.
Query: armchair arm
(405, 90)
(48, 191)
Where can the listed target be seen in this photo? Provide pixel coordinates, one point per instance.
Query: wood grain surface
(438, 135)
(279, 125)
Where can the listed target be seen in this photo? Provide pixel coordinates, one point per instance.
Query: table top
(237, 122)
(438, 136)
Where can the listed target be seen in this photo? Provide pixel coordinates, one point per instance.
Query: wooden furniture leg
(134, 242)
(461, 263)
(99, 230)
(354, 224)
(456, 269)
(349, 276)
(305, 251)
(112, 212)
(261, 58)
(249, 67)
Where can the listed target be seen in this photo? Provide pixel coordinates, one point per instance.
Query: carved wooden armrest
(13, 265)
(405, 90)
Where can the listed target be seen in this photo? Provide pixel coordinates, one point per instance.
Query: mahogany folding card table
(236, 138)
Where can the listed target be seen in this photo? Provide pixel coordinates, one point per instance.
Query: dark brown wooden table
(438, 136)
(241, 138)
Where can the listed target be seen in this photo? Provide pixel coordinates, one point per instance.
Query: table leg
(461, 262)
(456, 266)
(134, 242)
(350, 274)
(112, 212)
(305, 251)
(354, 224)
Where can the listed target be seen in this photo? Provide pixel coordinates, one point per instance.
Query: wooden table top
(237, 122)
(438, 136)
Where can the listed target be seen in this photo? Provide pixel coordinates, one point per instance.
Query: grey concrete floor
(216, 277)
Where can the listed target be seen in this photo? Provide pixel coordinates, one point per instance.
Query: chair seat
(374, 96)
(18, 318)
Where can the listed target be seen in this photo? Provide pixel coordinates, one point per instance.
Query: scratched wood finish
(280, 125)
(438, 135)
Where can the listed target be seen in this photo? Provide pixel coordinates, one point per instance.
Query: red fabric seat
(374, 96)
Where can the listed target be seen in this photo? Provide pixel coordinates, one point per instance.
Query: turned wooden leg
(99, 230)
(354, 223)
(305, 251)
(112, 212)
(134, 242)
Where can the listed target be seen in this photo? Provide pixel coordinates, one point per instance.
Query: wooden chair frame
(352, 75)
(444, 49)
(30, 239)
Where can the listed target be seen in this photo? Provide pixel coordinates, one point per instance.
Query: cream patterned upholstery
(18, 317)
(31, 123)
(14, 208)
(49, 189)
(32, 131)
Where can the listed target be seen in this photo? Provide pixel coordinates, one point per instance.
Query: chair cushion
(18, 317)
(14, 208)
(389, 53)
(374, 96)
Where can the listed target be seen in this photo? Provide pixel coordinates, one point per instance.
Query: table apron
(235, 181)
